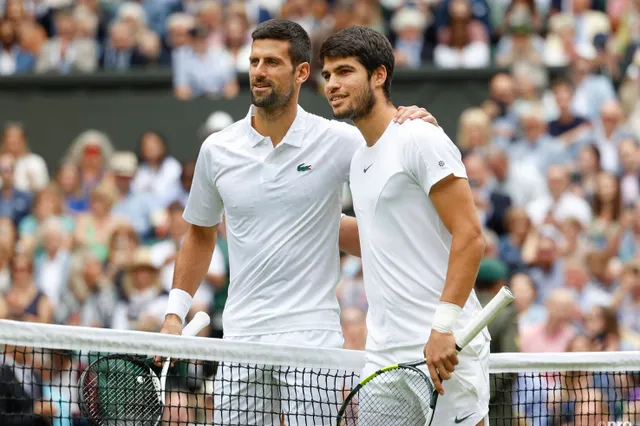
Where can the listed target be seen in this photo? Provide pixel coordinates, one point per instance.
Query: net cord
(181, 347)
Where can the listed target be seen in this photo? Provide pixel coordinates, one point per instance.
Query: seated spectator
(31, 172)
(91, 297)
(134, 207)
(25, 300)
(491, 205)
(464, 43)
(607, 211)
(157, 170)
(179, 26)
(133, 14)
(150, 48)
(47, 203)
(626, 298)
(589, 22)
(7, 248)
(14, 204)
(237, 42)
(66, 52)
(122, 246)
(520, 181)
(180, 191)
(93, 229)
(211, 16)
(583, 179)
(68, 179)
(541, 253)
(587, 293)
(143, 302)
(474, 131)
(557, 331)
(567, 127)
(531, 82)
(608, 133)
(536, 146)
(521, 44)
(410, 47)
(202, 70)
(518, 227)
(120, 52)
(575, 243)
(629, 154)
(91, 152)
(163, 255)
(13, 59)
(51, 267)
(560, 44)
(500, 107)
(601, 325)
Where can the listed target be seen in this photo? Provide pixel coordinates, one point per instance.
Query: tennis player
(420, 236)
(277, 176)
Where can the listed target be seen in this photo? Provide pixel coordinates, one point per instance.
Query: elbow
(473, 241)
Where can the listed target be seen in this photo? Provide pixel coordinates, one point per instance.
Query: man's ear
(303, 71)
(379, 76)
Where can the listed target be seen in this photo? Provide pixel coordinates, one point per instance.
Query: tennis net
(235, 383)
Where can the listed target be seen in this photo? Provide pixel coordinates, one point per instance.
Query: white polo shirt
(282, 209)
(405, 245)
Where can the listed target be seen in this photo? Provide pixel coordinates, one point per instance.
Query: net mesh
(236, 383)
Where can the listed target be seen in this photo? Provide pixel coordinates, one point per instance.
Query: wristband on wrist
(342, 215)
(446, 317)
(179, 303)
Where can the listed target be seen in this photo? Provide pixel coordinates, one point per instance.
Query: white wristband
(446, 317)
(179, 303)
(342, 215)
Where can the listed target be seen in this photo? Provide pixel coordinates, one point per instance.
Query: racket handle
(200, 320)
(486, 315)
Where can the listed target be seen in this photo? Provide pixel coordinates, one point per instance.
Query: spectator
(93, 229)
(583, 180)
(629, 154)
(216, 122)
(91, 152)
(587, 293)
(7, 245)
(575, 244)
(47, 203)
(180, 192)
(51, 267)
(518, 227)
(120, 52)
(492, 206)
(143, 301)
(567, 127)
(607, 210)
(601, 325)
(608, 133)
(500, 107)
(90, 297)
(588, 22)
(560, 44)
(122, 246)
(529, 311)
(410, 47)
(630, 240)
(626, 298)
(157, 170)
(521, 182)
(522, 44)
(179, 26)
(211, 17)
(236, 42)
(474, 131)
(66, 52)
(150, 49)
(25, 300)
(464, 43)
(536, 146)
(68, 179)
(31, 173)
(491, 278)
(13, 59)
(136, 208)
(555, 334)
(201, 70)
(14, 204)
(546, 267)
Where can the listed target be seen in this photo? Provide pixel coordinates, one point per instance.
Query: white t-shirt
(282, 210)
(405, 246)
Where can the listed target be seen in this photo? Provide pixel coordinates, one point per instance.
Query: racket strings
(396, 397)
(118, 392)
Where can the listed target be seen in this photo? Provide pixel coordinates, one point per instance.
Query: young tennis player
(420, 237)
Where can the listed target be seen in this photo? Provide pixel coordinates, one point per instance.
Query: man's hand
(441, 356)
(412, 113)
(171, 325)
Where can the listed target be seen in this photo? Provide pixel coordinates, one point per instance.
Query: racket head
(116, 390)
(397, 394)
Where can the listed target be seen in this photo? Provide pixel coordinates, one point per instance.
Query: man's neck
(374, 124)
(275, 124)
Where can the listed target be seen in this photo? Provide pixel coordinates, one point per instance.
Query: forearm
(464, 262)
(193, 260)
(349, 241)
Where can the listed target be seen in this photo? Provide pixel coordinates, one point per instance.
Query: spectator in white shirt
(157, 170)
(31, 173)
(237, 42)
(608, 133)
(629, 153)
(51, 266)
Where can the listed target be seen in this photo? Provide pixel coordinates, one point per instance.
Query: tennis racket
(119, 390)
(402, 394)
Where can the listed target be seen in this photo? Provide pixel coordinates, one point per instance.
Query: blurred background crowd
(553, 162)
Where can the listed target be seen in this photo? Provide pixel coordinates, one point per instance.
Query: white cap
(408, 17)
(586, 51)
(218, 121)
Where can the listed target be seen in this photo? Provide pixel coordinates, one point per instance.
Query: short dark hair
(280, 29)
(562, 81)
(371, 48)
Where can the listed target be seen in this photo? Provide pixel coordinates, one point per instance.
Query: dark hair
(162, 140)
(562, 81)
(371, 48)
(279, 29)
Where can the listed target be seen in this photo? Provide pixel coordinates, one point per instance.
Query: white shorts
(251, 395)
(466, 397)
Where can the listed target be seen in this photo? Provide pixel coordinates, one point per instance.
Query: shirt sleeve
(430, 156)
(348, 140)
(180, 78)
(204, 206)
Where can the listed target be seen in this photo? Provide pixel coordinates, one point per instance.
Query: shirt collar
(294, 136)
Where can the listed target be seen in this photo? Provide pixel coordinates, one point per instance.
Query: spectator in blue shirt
(14, 204)
(13, 60)
(200, 69)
